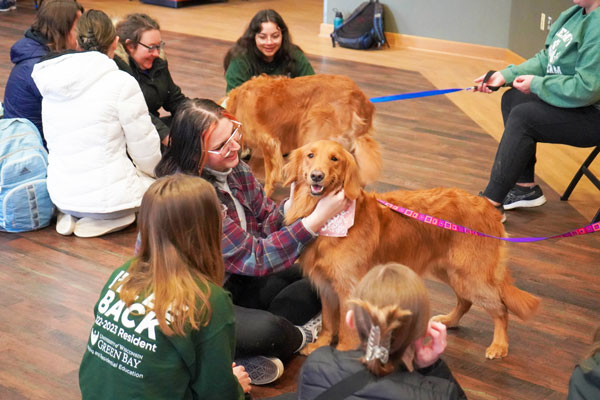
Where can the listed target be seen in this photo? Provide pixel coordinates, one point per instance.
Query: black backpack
(363, 29)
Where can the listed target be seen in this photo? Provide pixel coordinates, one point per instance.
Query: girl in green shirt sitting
(265, 48)
(163, 326)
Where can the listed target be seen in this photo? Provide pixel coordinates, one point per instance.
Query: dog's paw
(309, 348)
(446, 320)
(496, 350)
(322, 340)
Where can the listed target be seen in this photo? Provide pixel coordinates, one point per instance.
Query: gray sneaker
(262, 370)
(521, 196)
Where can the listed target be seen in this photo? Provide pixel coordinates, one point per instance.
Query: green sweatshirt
(239, 70)
(128, 357)
(567, 68)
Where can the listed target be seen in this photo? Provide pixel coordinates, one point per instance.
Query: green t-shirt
(239, 70)
(128, 357)
(566, 70)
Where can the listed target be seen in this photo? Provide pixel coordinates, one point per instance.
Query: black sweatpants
(527, 121)
(267, 310)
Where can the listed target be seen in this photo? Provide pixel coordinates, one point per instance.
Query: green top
(239, 70)
(128, 357)
(566, 69)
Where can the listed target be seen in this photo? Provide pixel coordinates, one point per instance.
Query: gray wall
(511, 24)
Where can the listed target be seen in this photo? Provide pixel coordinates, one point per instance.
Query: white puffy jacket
(94, 116)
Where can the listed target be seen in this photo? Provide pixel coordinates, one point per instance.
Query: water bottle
(338, 20)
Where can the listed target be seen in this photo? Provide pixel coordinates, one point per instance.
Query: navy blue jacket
(22, 99)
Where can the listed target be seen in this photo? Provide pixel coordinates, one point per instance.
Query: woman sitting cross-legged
(102, 146)
(271, 297)
(163, 325)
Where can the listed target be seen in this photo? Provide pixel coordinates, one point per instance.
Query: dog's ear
(290, 169)
(351, 177)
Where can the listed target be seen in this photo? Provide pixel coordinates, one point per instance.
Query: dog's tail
(518, 301)
(368, 158)
(365, 149)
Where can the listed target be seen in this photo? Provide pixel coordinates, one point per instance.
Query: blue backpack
(24, 200)
(362, 29)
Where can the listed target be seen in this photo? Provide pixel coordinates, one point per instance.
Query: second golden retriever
(472, 266)
(280, 114)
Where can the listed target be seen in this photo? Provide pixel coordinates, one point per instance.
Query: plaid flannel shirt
(266, 245)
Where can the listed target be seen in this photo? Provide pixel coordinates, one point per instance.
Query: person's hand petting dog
(427, 353)
(327, 208)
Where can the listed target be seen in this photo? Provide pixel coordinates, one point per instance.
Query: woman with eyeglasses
(265, 48)
(140, 53)
(271, 297)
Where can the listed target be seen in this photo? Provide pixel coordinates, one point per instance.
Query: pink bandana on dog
(338, 226)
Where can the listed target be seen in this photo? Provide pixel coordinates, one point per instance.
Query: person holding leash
(555, 99)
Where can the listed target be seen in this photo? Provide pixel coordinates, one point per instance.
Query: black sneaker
(521, 196)
(262, 370)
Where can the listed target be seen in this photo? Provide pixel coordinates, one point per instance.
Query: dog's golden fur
(473, 266)
(280, 114)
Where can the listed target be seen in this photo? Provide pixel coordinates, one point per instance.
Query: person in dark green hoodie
(555, 99)
(265, 48)
(163, 325)
(585, 380)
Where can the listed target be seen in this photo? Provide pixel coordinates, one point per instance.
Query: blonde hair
(180, 252)
(95, 31)
(392, 301)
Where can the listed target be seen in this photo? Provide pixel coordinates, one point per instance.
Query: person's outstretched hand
(497, 79)
(427, 354)
(242, 376)
(327, 208)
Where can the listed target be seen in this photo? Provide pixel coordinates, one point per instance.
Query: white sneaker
(262, 370)
(65, 224)
(310, 330)
(89, 227)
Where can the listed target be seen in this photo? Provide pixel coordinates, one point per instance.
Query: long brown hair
(246, 44)
(180, 252)
(54, 21)
(393, 298)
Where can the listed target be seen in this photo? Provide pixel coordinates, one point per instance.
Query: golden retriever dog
(280, 114)
(472, 266)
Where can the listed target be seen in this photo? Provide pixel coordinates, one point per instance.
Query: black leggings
(527, 121)
(267, 310)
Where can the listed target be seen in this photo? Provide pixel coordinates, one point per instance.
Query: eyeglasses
(225, 150)
(153, 47)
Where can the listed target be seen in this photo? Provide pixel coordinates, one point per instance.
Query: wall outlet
(548, 22)
(542, 21)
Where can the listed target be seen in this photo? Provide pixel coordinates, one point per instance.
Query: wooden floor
(49, 283)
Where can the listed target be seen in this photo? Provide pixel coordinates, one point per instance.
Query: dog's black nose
(316, 176)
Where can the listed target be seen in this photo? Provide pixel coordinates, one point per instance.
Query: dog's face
(323, 166)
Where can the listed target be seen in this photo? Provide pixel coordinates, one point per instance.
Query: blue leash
(427, 93)
(414, 95)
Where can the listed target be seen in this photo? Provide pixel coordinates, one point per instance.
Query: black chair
(584, 170)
